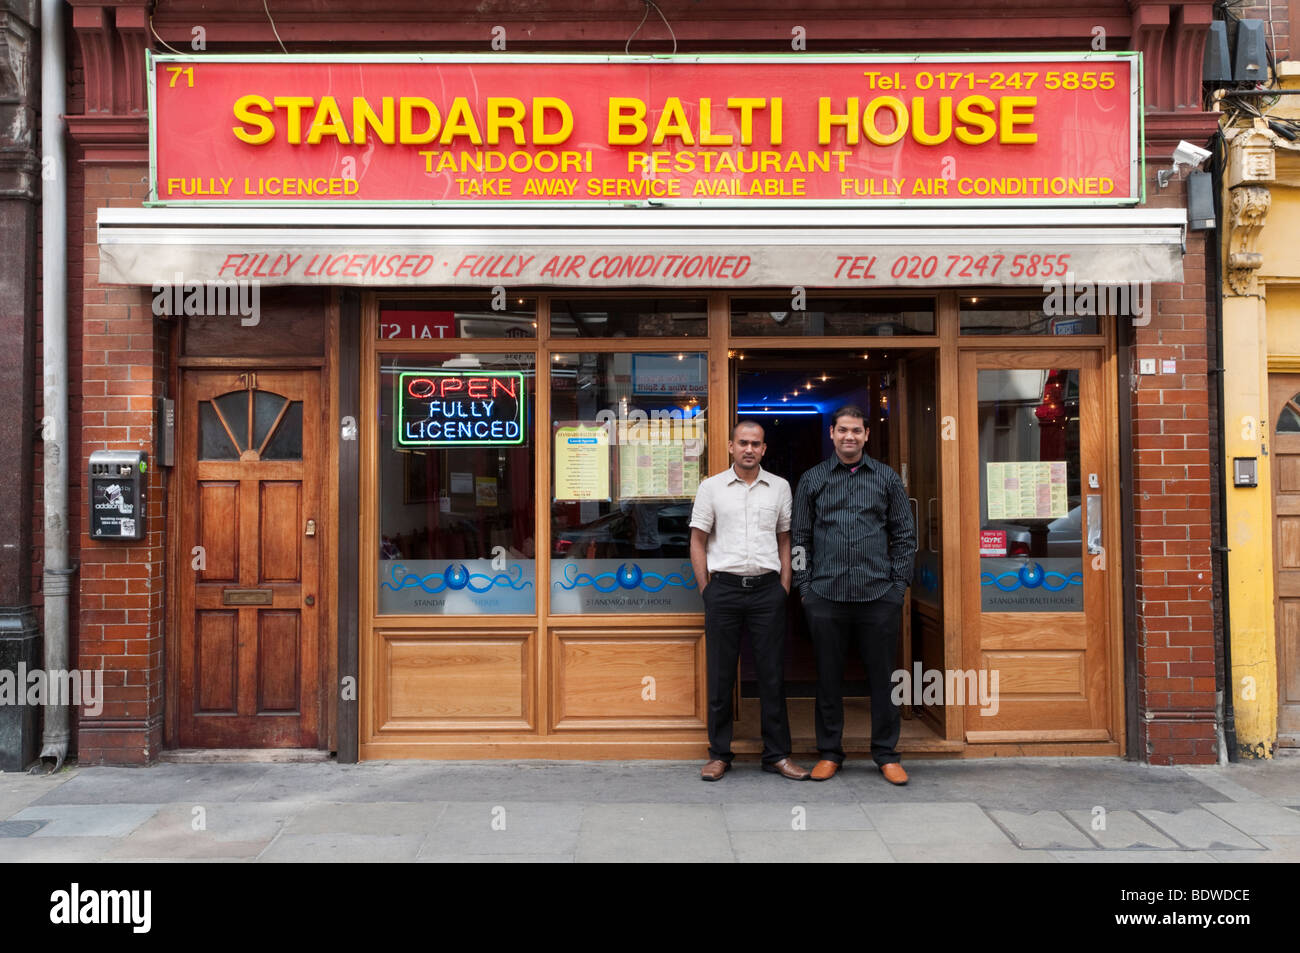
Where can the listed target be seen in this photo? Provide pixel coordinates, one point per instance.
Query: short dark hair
(849, 410)
(748, 423)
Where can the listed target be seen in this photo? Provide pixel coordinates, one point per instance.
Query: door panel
(1035, 605)
(215, 637)
(218, 531)
(282, 523)
(1284, 394)
(250, 484)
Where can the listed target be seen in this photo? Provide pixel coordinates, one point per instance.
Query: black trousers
(872, 628)
(730, 610)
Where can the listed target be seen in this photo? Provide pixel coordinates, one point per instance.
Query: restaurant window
(489, 316)
(456, 484)
(831, 317)
(1031, 534)
(628, 432)
(1018, 314)
(629, 317)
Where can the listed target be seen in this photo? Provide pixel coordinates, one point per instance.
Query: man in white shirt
(740, 551)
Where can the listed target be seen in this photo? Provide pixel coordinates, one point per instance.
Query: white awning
(644, 247)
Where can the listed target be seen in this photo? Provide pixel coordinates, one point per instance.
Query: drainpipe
(1225, 715)
(57, 582)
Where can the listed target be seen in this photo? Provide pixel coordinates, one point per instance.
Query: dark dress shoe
(714, 770)
(787, 769)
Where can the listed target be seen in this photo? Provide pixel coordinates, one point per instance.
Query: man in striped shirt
(853, 526)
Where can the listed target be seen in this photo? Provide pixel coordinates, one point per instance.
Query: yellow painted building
(1261, 359)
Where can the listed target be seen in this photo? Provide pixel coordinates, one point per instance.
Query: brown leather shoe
(825, 770)
(894, 773)
(714, 770)
(787, 769)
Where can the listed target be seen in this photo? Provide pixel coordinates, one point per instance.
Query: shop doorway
(794, 395)
(1284, 393)
(250, 527)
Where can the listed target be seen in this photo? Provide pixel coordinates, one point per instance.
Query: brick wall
(122, 584)
(1277, 16)
(1171, 504)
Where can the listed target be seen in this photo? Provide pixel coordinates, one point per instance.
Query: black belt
(747, 582)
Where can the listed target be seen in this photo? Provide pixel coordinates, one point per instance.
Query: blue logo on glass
(627, 576)
(455, 577)
(1031, 576)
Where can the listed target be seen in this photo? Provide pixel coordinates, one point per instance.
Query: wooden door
(1284, 404)
(252, 462)
(1035, 606)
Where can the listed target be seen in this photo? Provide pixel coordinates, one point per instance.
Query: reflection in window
(456, 484)
(826, 317)
(273, 422)
(513, 317)
(629, 438)
(629, 317)
(1289, 420)
(1028, 315)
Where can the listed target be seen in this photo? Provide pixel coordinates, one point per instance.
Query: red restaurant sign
(1057, 129)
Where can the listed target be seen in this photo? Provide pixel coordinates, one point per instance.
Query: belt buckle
(748, 582)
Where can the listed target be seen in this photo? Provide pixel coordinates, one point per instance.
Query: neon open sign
(460, 409)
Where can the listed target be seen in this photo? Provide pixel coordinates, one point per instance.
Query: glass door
(1035, 471)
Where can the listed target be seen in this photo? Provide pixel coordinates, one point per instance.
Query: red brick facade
(120, 359)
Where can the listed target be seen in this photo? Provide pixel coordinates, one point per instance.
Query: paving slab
(1257, 817)
(934, 824)
(810, 847)
(52, 850)
(517, 828)
(180, 832)
(1041, 830)
(1135, 856)
(343, 848)
(19, 790)
(1282, 849)
(87, 820)
(1197, 829)
(1124, 830)
(356, 817)
(1277, 779)
(501, 859)
(969, 854)
(1216, 776)
(654, 833)
(160, 783)
(1034, 784)
(781, 817)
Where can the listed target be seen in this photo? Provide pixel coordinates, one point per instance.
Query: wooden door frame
(969, 364)
(179, 553)
(1275, 407)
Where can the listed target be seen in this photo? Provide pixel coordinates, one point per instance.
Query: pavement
(1025, 810)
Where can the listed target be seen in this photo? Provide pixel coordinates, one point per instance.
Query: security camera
(1189, 155)
(1186, 154)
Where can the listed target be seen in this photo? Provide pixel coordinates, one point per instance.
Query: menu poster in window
(659, 458)
(581, 462)
(1034, 489)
